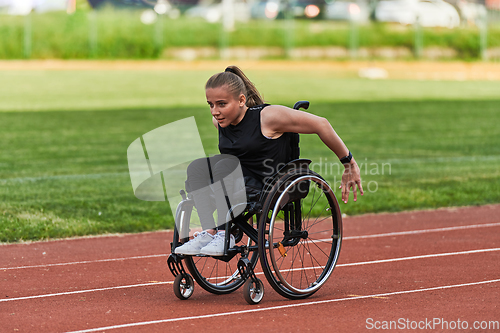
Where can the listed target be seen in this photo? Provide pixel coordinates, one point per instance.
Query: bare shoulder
(270, 119)
(275, 108)
(278, 119)
(272, 113)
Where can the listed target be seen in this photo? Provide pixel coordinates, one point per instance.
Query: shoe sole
(215, 254)
(212, 254)
(188, 253)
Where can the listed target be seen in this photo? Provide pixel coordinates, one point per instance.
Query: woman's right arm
(277, 119)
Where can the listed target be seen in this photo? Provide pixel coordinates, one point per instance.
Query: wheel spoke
(319, 248)
(302, 260)
(316, 221)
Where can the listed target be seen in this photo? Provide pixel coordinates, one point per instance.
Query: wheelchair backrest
(293, 152)
(292, 157)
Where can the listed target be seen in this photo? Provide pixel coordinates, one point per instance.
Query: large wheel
(214, 274)
(298, 255)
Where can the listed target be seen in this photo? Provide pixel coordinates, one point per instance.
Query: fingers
(360, 187)
(345, 193)
(346, 189)
(351, 178)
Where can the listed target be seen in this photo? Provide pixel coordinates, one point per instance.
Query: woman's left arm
(277, 119)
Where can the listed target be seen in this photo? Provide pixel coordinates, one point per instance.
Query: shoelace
(217, 238)
(198, 233)
(218, 235)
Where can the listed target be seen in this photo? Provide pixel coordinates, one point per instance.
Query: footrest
(174, 262)
(246, 270)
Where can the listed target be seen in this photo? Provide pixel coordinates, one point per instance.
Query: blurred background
(250, 29)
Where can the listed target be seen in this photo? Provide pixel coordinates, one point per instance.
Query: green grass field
(64, 138)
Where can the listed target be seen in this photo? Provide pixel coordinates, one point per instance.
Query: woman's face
(225, 107)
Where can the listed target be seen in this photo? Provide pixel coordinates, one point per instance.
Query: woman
(252, 132)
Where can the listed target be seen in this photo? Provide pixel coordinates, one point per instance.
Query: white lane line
(412, 232)
(424, 256)
(85, 262)
(391, 234)
(381, 261)
(259, 273)
(152, 322)
(86, 291)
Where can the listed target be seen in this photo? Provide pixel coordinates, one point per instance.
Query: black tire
(218, 276)
(183, 286)
(253, 291)
(303, 253)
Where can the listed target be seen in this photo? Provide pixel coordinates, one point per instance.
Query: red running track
(425, 269)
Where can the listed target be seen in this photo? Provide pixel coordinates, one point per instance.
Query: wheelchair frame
(280, 222)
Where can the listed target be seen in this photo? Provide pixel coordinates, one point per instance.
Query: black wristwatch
(347, 159)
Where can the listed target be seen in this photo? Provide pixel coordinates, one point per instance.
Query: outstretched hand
(350, 179)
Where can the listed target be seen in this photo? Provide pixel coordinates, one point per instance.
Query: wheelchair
(293, 226)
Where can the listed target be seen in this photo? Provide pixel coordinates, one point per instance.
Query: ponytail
(237, 83)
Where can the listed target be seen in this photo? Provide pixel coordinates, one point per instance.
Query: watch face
(346, 159)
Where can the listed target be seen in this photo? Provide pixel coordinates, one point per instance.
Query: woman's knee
(198, 174)
(197, 167)
(226, 167)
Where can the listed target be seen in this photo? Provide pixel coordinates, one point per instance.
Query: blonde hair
(237, 83)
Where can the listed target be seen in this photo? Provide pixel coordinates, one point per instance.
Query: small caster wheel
(183, 286)
(253, 291)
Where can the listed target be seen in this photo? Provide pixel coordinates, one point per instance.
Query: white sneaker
(194, 246)
(216, 247)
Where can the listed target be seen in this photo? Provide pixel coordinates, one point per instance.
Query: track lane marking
(85, 262)
(424, 256)
(257, 273)
(85, 291)
(391, 234)
(375, 297)
(161, 321)
(422, 231)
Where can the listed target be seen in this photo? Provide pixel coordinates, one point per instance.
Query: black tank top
(259, 156)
